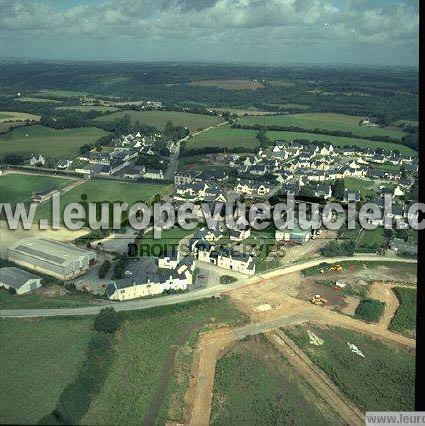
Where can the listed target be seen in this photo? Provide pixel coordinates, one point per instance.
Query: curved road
(191, 295)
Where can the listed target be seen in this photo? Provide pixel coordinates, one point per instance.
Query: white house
(37, 160)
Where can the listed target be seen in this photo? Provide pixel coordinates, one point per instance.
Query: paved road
(191, 295)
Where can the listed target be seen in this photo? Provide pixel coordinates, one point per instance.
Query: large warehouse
(50, 257)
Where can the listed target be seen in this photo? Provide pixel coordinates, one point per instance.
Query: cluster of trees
(175, 133)
(104, 269)
(336, 248)
(75, 399)
(120, 268)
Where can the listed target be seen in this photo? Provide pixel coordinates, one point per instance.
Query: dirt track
(212, 344)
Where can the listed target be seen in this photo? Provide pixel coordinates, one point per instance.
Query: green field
(224, 137)
(339, 141)
(228, 84)
(39, 358)
(382, 381)
(61, 93)
(17, 188)
(86, 108)
(371, 240)
(323, 121)
(363, 186)
(370, 310)
(51, 143)
(160, 118)
(102, 190)
(254, 385)
(37, 100)
(17, 116)
(142, 375)
(404, 320)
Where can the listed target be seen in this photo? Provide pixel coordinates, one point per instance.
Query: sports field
(17, 116)
(51, 143)
(104, 190)
(17, 188)
(323, 121)
(159, 119)
(224, 137)
(339, 141)
(39, 358)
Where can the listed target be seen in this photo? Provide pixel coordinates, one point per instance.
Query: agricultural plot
(228, 84)
(51, 143)
(225, 138)
(39, 359)
(61, 93)
(339, 141)
(102, 190)
(37, 100)
(370, 310)
(143, 380)
(17, 116)
(17, 188)
(159, 119)
(255, 385)
(323, 121)
(404, 320)
(85, 108)
(384, 380)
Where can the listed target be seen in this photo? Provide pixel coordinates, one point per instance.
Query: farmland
(101, 190)
(323, 121)
(404, 320)
(17, 116)
(384, 380)
(160, 118)
(39, 357)
(255, 385)
(61, 93)
(85, 108)
(339, 141)
(142, 380)
(228, 84)
(225, 138)
(17, 188)
(37, 100)
(57, 144)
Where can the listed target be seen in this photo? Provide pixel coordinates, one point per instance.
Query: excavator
(318, 300)
(336, 268)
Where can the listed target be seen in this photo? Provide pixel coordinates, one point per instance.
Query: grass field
(404, 320)
(61, 93)
(169, 240)
(254, 385)
(37, 100)
(49, 142)
(17, 116)
(289, 105)
(102, 190)
(142, 375)
(384, 380)
(339, 141)
(224, 137)
(363, 186)
(39, 358)
(323, 121)
(228, 84)
(17, 188)
(160, 118)
(371, 240)
(8, 125)
(85, 108)
(370, 310)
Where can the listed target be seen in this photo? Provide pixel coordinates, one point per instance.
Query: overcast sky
(381, 32)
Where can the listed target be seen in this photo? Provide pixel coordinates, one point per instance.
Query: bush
(227, 279)
(73, 403)
(107, 321)
(370, 310)
(11, 290)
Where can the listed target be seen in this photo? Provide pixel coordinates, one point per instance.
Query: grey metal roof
(50, 250)
(15, 277)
